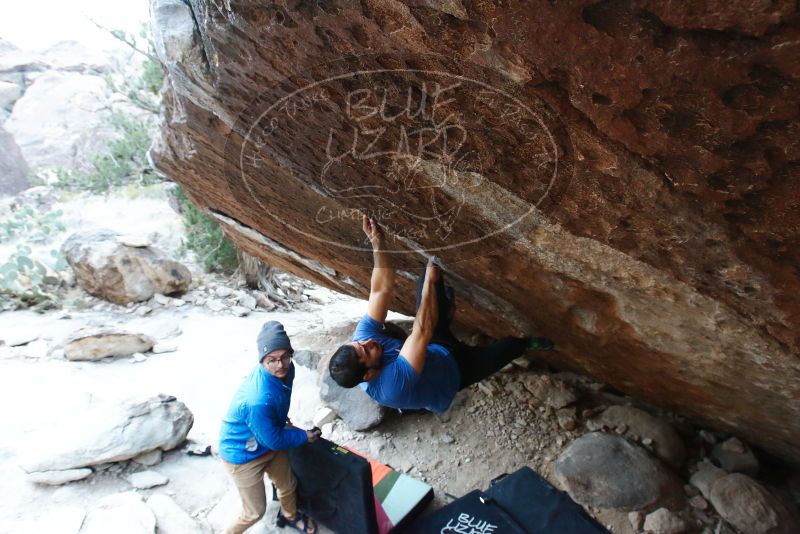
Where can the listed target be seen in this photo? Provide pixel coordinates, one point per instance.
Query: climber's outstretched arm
(382, 282)
(415, 347)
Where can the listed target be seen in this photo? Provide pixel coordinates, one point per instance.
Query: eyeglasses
(285, 359)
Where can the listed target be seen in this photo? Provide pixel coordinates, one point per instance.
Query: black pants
(474, 363)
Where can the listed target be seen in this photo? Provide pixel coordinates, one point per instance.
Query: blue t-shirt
(398, 385)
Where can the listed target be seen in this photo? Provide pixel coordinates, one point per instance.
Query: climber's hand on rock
(373, 230)
(432, 271)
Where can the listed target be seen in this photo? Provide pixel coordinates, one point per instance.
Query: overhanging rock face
(621, 176)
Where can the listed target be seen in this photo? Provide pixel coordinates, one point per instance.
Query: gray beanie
(272, 337)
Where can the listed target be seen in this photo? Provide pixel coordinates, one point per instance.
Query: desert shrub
(123, 161)
(26, 281)
(31, 225)
(205, 238)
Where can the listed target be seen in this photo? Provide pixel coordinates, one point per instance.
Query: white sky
(34, 25)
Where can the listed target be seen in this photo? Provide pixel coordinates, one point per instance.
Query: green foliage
(152, 76)
(30, 225)
(24, 280)
(123, 162)
(27, 282)
(206, 239)
(142, 91)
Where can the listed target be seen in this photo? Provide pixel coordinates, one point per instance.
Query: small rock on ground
(149, 458)
(147, 479)
(636, 520)
(57, 478)
(324, 416)
(161, 348)
(239, 311)
(706, 474)
(735, 457)
(750, 507)
(662, 521)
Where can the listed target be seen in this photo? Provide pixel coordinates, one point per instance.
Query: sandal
(199, 451)
(309, 526)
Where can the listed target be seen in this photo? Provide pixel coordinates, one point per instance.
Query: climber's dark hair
(345, 368)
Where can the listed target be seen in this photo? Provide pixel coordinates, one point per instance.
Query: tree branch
(116, 35)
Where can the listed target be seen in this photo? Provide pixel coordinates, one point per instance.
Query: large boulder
(111, 270)
(636, 423)
(750, 507)
(327, 338)
(13, 167)
(111, 433)
(15, 61)
(353, 405)
(75, 56)
(607, 471)
(59, 121)
(98, 343)
(618, 176)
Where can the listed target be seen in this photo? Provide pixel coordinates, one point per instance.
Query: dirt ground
(481, 437)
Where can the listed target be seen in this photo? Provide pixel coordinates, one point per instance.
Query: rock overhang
(663, 256)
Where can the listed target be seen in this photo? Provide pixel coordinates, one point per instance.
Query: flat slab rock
(57, 478)
(110, 433)
(22, 337)
(171, 518)
(122, 513)
(607, 471)
(147, 479)
(97, 343)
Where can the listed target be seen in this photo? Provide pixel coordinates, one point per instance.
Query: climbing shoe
(540, 343)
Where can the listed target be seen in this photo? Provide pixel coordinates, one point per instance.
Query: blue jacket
(256, 420)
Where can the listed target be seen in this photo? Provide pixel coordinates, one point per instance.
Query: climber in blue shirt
(425, 370)
(255, 435)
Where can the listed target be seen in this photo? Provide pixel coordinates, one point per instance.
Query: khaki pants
(249, 479)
